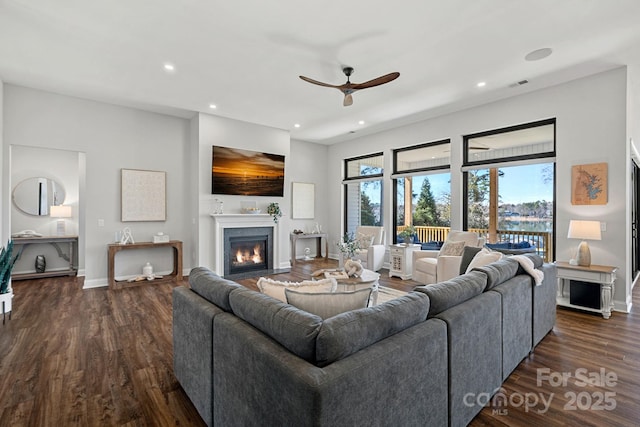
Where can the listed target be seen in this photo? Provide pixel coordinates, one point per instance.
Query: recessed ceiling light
(481, 84)
(169, 67)
(538, 54)
(213, 106)
(297, 125)
(361, 122)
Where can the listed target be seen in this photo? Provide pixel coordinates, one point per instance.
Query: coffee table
(368, 279)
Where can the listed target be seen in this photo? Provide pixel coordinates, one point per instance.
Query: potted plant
(407, 234)
(6, 264)
(274, 210)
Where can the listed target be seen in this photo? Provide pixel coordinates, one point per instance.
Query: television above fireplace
(246, 173)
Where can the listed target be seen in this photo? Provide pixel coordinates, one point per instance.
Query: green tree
(367, 214)
(426, 212)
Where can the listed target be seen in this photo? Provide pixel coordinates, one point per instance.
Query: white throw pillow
(365, 240)
(328, 305)
(452, 248)
(275, 288)
(483, 257)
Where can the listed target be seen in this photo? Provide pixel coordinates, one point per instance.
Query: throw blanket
(527, 265)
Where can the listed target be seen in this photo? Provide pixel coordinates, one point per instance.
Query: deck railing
(542, 240)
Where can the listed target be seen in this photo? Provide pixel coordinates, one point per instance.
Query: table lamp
(585, 230)
(61, 212)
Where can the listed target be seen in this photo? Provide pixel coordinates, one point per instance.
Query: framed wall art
(589, 184)
(302, 200)
(143, 195)
(246, 173)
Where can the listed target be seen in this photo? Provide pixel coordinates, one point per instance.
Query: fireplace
(247, 249)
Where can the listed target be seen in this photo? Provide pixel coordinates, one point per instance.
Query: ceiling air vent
(520, 83)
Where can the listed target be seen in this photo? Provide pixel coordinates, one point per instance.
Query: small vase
(41, 264)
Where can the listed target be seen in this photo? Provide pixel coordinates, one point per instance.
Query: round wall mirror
(34, 196)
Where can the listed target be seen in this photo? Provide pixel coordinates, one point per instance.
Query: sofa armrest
(192, 352)
(448, 267)
(375, 257)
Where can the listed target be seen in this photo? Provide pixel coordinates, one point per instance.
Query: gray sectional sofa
(244, 358)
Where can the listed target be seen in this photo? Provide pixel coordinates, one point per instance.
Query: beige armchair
(433, 267)
(372, 247)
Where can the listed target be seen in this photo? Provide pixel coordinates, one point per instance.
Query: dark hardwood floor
(99, 357)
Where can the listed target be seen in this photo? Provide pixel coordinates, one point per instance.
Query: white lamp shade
(60, 211)
(585, 230)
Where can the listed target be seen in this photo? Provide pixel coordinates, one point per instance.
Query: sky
(518, 184)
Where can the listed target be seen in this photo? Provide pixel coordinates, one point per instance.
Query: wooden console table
(603, 275)
(318, 237)
(55, 241)
(114, 248)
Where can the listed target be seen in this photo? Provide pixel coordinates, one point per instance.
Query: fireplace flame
(246, 256)
(257, 257)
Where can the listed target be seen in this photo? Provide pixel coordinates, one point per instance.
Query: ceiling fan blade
(377, 81)
(348, 100)
(315, 82)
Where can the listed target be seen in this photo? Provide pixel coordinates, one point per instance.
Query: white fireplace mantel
(222, 221)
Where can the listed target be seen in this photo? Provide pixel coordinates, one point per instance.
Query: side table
(603, 275)
(318, 236)
(401, 260)
(114, 248)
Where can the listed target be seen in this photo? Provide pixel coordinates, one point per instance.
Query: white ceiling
(246, 55)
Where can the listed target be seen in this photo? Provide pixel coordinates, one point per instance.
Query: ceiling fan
(348, 88)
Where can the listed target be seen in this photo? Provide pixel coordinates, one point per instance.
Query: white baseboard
(95, 283)
(624, 307)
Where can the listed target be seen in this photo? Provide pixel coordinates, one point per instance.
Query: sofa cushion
(450, 248)
(352, 331)
(467, 255)
(275, 288)
(328, 304)
(448, 294)
(483, 257)
(499, 271)
(294, 329)
(212, 287)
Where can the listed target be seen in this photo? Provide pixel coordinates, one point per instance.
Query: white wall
(214, 130)
(308, 164)
(590, 128)
(112, 137)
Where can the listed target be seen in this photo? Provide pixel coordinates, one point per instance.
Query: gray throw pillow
(328, 304)
(467, 255)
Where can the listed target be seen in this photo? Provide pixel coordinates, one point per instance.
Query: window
(363, 191)
(509, 186)
(422, 195)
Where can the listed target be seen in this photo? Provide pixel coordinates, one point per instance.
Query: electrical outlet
(101, 223)
(603, 226)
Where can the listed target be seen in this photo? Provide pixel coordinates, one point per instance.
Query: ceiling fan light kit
(349, 88)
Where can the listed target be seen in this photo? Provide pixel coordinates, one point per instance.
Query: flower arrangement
(349, 245)
(407, 233)
(274, 210)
